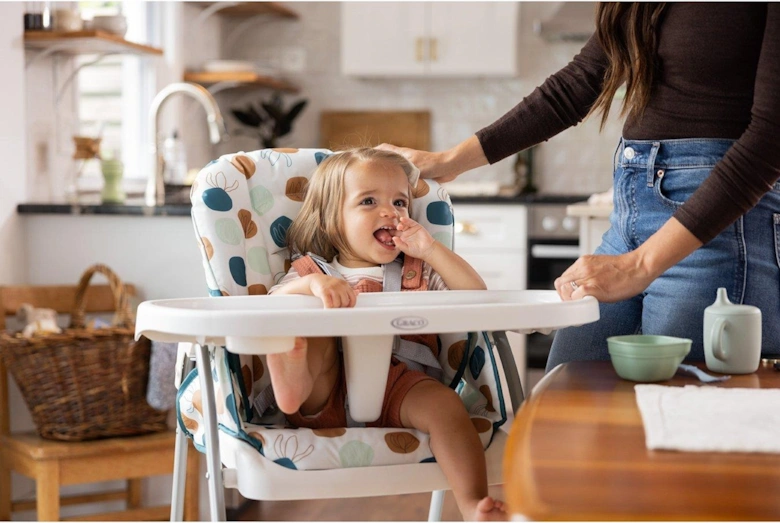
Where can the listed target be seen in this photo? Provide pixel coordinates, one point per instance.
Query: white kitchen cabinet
(429, 38)
(493, 239)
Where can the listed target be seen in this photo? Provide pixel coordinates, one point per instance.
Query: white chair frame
(279, 483)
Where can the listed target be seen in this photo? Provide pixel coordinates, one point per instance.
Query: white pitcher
(732, 336)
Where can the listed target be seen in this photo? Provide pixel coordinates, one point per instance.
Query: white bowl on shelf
(115, 24)
(229, 66)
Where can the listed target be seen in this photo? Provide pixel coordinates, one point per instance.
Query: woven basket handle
(123, 316)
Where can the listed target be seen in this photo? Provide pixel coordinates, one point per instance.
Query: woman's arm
(751, 166)
(562, 101)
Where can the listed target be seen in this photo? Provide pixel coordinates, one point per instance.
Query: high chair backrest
(249, 200)
(243, 204)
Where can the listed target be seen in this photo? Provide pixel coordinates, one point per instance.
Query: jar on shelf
(87, 150)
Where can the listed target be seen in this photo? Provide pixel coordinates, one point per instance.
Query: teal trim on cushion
(208, 263)
(182, 388)
(234, 364)
(463, 362)
(499, 390)
(201, 448)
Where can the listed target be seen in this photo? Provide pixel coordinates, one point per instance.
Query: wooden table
(577, 451)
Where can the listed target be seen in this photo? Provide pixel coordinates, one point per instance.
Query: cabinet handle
(466, 228)
(433, 48)
(419, 49)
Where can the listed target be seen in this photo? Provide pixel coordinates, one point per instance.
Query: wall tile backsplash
(578, 160)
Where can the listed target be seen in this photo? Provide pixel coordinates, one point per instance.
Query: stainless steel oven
(553, 245)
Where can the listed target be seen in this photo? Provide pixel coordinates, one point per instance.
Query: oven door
(547, 259)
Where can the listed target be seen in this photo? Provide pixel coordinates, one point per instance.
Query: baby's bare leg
(435, 409)
(303, 378)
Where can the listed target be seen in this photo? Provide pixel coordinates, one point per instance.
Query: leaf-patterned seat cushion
(243, 204)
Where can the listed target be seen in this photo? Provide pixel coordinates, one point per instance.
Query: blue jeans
(652, 180)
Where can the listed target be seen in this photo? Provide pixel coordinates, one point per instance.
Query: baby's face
(376, 196)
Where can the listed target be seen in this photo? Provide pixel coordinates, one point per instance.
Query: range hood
(571, 22)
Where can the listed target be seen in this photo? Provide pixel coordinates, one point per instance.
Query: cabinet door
(473, 38)
(383, 38)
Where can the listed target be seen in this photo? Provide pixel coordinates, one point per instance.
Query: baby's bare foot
(290, 377)
(489, 509)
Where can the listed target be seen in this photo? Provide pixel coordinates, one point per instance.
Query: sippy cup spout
(722, 298)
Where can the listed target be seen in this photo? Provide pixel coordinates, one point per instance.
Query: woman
(697, 203)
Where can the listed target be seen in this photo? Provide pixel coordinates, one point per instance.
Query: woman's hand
(429, 163)
(334, 292)
(606, 278)
(620, 277)
(413, 239)
(444, 166)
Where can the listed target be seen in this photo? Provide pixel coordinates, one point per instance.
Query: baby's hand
(334, 292)
(413, 239)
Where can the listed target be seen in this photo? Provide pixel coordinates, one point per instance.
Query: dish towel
(161, 391)
(710, 419)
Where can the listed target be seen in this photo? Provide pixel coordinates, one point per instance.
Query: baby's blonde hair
(318, 228)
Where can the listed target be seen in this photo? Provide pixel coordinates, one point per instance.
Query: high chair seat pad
(305, 449)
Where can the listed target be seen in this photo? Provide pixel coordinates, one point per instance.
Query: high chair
(53, 464)
(242, 206)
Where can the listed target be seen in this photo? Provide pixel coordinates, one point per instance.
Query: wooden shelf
(254, 8)
(85, 42)
(243, 78)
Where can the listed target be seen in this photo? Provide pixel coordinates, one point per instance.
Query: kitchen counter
(594, 222)
(179, 209)
(587, 210)
(136, 207)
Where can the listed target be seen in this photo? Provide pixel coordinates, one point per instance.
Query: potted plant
(269, 120)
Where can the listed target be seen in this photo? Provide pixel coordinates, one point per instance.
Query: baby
(356, 217)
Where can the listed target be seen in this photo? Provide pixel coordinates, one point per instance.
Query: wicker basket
(86, 383)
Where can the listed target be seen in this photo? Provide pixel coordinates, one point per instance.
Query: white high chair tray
(269, 324)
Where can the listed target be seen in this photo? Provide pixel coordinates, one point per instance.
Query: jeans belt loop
(651, 163)
(617, 152)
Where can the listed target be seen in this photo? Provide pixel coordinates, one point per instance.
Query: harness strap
(413, 280)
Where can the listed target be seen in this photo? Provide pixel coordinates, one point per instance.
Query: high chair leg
(213, 462)
(180, 463)
(437, 502)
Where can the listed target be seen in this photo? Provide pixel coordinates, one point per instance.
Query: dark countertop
(528, 199)
(179, 209)
(183, 209)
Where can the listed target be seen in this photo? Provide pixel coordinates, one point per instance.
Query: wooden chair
(54, 463)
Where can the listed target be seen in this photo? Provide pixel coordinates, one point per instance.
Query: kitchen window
(114, 92)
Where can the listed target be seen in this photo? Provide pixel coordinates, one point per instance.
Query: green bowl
(647, 358)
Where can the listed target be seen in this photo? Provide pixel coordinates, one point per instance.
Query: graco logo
(409, 323)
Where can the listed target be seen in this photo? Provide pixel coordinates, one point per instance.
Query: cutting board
(344, 129)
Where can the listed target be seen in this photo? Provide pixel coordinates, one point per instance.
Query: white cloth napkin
(707, 419)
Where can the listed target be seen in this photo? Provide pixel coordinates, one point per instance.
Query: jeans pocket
(676, 185)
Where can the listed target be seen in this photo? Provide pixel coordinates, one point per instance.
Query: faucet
(155, 188)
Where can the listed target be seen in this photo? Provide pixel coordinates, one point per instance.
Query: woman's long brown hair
(628, 32)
